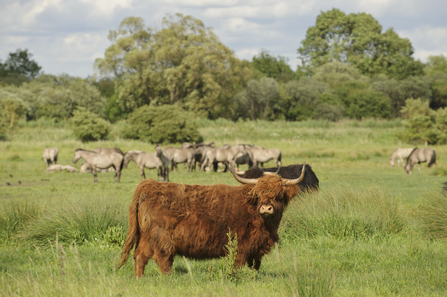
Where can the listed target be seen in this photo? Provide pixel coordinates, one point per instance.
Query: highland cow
(166, 220)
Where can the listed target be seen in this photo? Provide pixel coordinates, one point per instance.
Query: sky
(66, 36)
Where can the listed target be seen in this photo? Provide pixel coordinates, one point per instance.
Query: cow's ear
(290, 191)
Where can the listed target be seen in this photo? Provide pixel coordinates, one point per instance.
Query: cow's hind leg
(141, 256)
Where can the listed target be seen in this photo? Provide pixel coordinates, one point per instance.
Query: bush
(88, 126)
(162, 124)
(420, 122)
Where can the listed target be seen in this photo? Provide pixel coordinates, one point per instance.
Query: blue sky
(66, 36)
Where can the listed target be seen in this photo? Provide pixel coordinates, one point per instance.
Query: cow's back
(194, 219)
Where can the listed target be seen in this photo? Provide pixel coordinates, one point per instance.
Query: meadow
(372, 230)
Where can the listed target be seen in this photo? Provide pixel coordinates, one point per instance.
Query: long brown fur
(192, 220)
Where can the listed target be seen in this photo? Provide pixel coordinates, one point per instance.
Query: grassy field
(371, 231)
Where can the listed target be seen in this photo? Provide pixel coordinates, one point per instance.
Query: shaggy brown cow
(192, 220)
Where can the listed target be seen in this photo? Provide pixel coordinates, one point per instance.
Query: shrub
(162, 124)
(420, 122)
(88, 126)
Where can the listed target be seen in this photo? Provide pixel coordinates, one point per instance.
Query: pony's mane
(409, 156)
(80, 149)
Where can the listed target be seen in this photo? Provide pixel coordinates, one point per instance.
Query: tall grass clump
(14, 215)
(432, 213)
(342, 213)
(310, 279)
(80, 219)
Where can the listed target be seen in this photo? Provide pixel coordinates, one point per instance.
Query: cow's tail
(433, 159)
(133, 233)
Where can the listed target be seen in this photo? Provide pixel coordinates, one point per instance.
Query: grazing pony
(400, 154)
(420, 156)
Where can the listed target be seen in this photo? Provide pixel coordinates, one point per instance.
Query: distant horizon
(68, 37)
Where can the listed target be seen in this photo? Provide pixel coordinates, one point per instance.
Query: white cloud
(107, 7)
(66, 36)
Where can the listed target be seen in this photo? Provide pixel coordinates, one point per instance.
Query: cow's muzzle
(266, 210)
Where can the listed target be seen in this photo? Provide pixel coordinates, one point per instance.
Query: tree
(4, 123)
(271, 66)
(14, 106)
(182, 63)
(400, 90)
(336, 73)
(19, 67)
(436, 64)
(258, 98)
(301, 98)
(419, 121)
(368, 104)
(162, 124)
(357, 39)
(436, 68)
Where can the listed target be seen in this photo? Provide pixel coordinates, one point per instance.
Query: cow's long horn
(242, 180)
(297, 180)
(272, 173)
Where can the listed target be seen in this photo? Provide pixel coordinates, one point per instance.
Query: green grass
(372, 230)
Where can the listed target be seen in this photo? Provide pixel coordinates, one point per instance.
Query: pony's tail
(433, 159)
(132, 234)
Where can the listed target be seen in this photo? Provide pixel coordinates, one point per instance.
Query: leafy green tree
(357, 39)
(302, 98)
(439, 91)
(368, 104)
(441, 125)
(436, 68)
(18, 68)
(329, 107)
(436, 64)
(88, 126)
(336, 73)
(15, 108)
(182, 62)
(162, 124)
(4, 124)
(259, 96)
(400, 90)
(273, 66)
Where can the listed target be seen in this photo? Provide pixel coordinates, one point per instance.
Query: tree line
(351, 68)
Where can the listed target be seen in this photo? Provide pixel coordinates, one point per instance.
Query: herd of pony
(207, 156)
(164, 160)
(414, 156)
